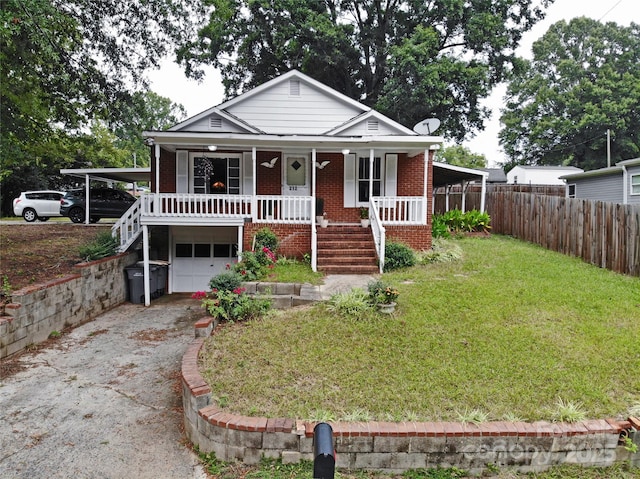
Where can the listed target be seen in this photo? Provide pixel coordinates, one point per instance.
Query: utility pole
(608, 148)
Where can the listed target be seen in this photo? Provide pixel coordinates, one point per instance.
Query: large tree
(459, 155)
(584, 79)
(409, 59)
(65, 64)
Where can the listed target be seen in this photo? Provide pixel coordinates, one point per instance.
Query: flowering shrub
(254, 264)
(381, 293)
(232, 305)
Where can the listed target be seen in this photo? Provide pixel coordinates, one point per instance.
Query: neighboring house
(616, 184)
(496, 176)
(263, 159)
(539, 175)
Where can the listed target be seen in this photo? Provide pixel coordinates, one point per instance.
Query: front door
(296, 183)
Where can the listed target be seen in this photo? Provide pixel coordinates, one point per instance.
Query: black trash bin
(135, 274)
(162, 270)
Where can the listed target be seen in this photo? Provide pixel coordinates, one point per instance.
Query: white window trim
(631, 185)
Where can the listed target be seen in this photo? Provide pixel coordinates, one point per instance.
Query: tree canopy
(459, 155)
(410, 60)
(584, 79)
(67, 66)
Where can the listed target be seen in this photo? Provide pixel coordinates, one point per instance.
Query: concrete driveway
(102, 401)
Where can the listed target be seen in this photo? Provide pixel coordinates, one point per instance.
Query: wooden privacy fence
(603, 234)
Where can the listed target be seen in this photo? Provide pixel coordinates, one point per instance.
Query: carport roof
(127, 175)
(444, 174)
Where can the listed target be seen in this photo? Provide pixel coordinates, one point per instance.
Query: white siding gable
(369, 127)
(294, 107)
(214, 124)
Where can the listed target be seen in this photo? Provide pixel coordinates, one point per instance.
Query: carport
(127, 175)
(446, 176)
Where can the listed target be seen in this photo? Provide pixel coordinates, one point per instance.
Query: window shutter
(182, 172)
(391, 175)
(247, 173)
(350, 180)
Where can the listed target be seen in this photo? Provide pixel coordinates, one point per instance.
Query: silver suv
(37, 205)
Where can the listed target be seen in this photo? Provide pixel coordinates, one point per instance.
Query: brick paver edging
(396, 447)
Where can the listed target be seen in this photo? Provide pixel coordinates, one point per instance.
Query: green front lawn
(508, 332)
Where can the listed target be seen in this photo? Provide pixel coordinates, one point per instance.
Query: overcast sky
(196, 97)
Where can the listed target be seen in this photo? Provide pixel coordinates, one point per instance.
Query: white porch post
(447, 189)
(145, 257)
(425, 182)
(240, 239)
(314, 236)
(483, 193)
(156, 199)
(464, 196)
(371, 158)
(87, 197)
(254, 180)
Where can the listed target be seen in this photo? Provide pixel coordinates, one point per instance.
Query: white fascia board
(613, 170)
(284, 141)
(369, 114)
(211, 112)
(461, 169)
(633, 162)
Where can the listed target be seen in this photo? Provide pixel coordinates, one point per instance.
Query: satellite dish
(426, 127)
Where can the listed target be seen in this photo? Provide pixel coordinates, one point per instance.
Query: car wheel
(29, 215)
(43, 218)
(94, 219)
(76, 215)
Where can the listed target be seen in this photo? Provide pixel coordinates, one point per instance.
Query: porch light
(212, 147)
(345, 151)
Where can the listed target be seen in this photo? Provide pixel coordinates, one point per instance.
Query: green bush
(233, 305)
(439, 227)
(227, 281)
(266, 238)
(103, 246)
(398, 255)
(455, 221)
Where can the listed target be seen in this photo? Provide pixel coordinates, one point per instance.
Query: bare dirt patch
(35, 253)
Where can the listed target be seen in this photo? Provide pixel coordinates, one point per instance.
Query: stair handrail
(128, 228)
(378, 231)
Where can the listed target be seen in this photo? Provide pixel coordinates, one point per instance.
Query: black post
(324, 456)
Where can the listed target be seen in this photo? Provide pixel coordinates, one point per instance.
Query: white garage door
(200, 253)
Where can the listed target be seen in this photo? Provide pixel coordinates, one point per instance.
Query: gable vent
(372, 125)
(215, 122)
(294, 87)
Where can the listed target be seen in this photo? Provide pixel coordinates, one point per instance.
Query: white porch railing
(378, 231)
(401, 210)
(283, 209)
(127, 228)
(259, 208)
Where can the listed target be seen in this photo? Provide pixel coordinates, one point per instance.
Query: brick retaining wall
(38, 310)
(396, 447)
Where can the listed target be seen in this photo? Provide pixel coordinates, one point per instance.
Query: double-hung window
(635, 184)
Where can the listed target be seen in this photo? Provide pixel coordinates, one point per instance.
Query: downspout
(314, 235)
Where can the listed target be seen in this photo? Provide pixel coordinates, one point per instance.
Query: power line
(608, 11)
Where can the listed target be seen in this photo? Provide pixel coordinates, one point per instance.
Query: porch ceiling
(444, 174)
